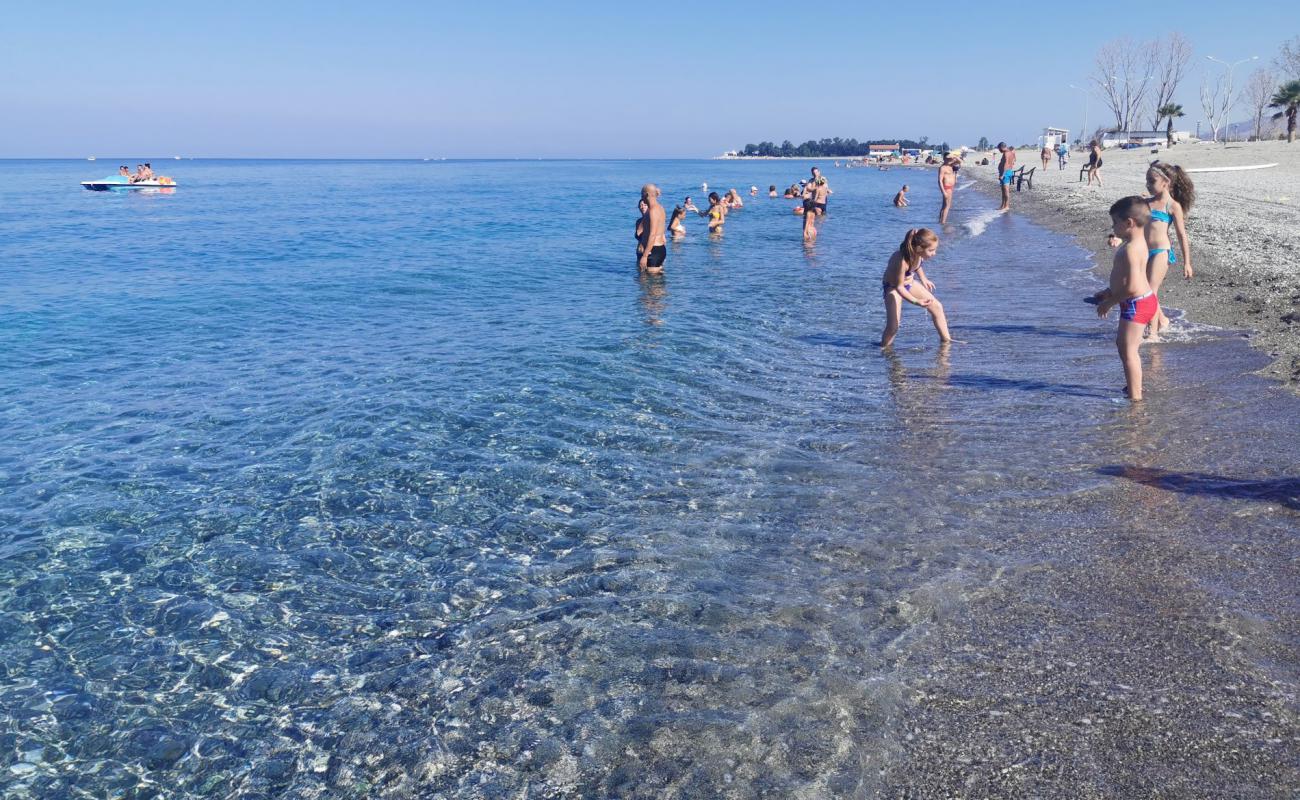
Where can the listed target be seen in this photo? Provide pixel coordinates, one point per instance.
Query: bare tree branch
(1105, 67)
(1172, 57)
(1258, 92)
(1123, 71)
(1217, 99)
(1288, 59)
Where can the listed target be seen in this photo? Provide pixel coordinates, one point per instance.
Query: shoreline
(1244, 231)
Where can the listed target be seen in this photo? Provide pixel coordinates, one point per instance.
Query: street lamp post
(1084, 130)
(1231, 67)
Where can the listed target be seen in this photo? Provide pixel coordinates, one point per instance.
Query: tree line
(831, 148)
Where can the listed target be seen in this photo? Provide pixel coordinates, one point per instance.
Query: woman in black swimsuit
(1094, 163)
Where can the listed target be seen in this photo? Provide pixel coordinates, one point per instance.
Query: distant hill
(1269, 129)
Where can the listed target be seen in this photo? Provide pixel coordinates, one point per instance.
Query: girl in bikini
(904, 280)
(675, 226)
(947, 180)
(1172, 195)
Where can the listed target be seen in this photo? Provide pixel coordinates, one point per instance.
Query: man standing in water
(815, 193)
(1006, 169)
(650, 247)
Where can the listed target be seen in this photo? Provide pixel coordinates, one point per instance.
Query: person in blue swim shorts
(1006, 169)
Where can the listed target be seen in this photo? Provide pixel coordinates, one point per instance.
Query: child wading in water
(1172, 195)
(905, 280)
(1129, 288)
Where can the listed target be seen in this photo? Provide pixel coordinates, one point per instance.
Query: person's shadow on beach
(1285, 491)
(1032, 330)
(1027, 385)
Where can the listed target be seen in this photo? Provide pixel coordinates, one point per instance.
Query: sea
(394, 479)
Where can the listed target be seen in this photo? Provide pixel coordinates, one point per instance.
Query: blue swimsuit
(1167, 218)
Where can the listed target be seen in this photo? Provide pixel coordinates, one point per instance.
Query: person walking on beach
(651, 249)
(1062, 155)
(1172, 195)
(900, 199)
(1046, 155)
(1129, 288)
(947, 180)
(1006, 172)
(904, 280)
(1094, 163)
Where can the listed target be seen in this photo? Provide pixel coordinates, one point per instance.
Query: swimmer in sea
(642, 207)
(675, 224)
(809, 227)
(651, 248)
(900, 199)
(753, 191)
(733, 199)
(717, 213)
(688, 205)
(771, 190)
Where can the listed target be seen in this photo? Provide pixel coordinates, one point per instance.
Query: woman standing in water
(1172, 195)
(947, 180)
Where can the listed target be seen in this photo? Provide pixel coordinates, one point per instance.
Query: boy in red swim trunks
(1129, 288)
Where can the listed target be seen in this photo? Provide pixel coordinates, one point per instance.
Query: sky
(505, 79)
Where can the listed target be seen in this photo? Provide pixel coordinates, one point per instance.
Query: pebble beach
(1245, 231)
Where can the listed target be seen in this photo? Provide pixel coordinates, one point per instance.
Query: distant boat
(119, 182)
(90, 158)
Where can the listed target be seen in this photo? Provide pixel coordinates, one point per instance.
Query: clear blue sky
(562, 79)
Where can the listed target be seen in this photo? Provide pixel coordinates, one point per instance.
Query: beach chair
(1023, 175)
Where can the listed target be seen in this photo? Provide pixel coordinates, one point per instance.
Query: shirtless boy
(651, 250)
(1006, 169)
(1129, 288)
(900, 199)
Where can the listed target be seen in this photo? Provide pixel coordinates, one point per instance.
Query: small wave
(977, 225)
(1182, 329)
(966, 185)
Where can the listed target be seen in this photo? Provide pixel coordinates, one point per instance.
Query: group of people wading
(653, 226)
(1141, 229)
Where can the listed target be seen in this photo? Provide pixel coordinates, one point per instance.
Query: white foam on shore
(966, 185)
(981, 221)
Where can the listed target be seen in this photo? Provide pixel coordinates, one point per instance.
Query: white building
(1053, 136)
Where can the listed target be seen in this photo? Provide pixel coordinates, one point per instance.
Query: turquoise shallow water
(392, 479)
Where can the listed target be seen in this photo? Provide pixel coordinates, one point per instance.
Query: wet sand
(1245, 231)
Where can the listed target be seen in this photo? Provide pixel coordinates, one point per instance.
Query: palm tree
(1170, 110)
(1287, 99)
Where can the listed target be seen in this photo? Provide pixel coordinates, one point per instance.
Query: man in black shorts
(650, 248)
(815, 193)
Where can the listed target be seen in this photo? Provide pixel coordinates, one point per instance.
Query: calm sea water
(392, 479)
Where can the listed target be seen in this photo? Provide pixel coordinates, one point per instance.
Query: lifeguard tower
(1053, 136)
